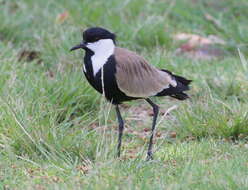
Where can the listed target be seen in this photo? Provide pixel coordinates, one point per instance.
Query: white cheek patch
(102, 49)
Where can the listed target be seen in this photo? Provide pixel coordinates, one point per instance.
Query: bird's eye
(97, 38)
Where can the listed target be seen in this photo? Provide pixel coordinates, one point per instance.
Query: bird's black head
(96, 33)
(93, 35)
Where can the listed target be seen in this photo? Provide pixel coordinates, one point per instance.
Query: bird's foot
(149, 156)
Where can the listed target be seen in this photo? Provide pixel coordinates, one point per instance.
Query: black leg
(121, 127)
(155, 115)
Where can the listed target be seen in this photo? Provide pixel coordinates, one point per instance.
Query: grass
(56, 132)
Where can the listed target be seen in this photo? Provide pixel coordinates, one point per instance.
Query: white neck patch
(102, 49)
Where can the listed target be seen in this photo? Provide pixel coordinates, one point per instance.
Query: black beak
(81, 45)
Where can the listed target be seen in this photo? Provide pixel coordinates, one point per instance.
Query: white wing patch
(102, 49)
(174, 83)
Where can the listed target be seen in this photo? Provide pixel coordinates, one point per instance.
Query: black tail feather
(179, 78)
(180, 96)
(178, 91)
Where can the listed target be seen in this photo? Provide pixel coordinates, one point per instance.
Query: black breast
(111, 90)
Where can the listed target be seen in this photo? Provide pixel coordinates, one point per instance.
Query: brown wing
(136, 78)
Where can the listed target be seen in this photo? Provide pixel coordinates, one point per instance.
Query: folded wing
(136, 78)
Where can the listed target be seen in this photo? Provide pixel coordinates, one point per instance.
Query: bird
(122, 75)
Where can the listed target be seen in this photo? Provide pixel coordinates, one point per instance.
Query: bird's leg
(155, 115)
(121, 127)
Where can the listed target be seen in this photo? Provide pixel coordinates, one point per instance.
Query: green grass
(56, 132)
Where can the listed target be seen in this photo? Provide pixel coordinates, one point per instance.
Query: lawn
(56, 132)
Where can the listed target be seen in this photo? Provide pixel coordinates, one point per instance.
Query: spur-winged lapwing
(122, 75)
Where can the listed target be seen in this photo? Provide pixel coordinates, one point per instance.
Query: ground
(56, 132)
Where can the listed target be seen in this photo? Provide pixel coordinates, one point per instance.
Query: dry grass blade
(213, 20)
(170, 109)
(243, 61)
(20, 124)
